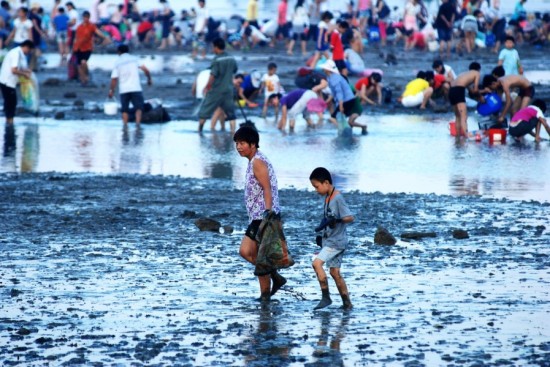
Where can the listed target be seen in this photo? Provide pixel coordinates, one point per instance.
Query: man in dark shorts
(261, 197)
(84, 45)
(219, 90)
(126, 73)
(457, 97)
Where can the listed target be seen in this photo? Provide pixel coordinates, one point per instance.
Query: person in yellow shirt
(252, 13)
(418, 91)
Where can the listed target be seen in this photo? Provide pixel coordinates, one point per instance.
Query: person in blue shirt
(61, 25)
(508, 58)
(344, 98)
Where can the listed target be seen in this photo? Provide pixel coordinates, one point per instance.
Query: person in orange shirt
(84, 45)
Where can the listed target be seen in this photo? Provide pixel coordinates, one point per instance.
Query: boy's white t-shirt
(22, 29)
(272, 84)
(127, 71)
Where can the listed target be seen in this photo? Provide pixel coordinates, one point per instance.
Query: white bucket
(110, 108)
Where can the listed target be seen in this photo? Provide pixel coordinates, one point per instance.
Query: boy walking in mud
(261, 197)
(457, 97)
(333, 241)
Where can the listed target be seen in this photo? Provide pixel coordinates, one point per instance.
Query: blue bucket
(492, 105)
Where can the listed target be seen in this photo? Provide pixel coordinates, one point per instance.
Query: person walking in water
(261, 198)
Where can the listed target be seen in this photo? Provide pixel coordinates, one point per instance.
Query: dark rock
(70, 95)
(52, 82)
(384, 237)
(227, 229)
(460, 234)
(23, 331)
(15, 292)
(417, 235)
(188, 214)
(79, 103)
(59, 115)
(207, 224)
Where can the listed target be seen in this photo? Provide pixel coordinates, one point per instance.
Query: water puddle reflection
(400, 154)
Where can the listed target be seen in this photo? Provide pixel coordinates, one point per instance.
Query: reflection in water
(266, 346)
(8, 163)
(327, 351)
(31, 149)
(221, 145)
(83, 144)
(460, 185)
(130, 152)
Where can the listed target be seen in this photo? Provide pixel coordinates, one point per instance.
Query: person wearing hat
(344, 98)
(250, 87)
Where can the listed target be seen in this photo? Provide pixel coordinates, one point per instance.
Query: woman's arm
(261, 172)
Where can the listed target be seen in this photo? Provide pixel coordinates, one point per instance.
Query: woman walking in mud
(261, 197)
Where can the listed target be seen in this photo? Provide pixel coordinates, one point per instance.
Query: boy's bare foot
(364, 131)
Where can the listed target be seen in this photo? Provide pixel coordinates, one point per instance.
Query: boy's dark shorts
(135, 97)
(444, 34)
(523, 128)
(252, 229)
(82, 56)
(350, 107)
(457, 95)
(527, 92)
(341, 65)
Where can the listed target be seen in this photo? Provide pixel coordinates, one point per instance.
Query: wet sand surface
(111, 270)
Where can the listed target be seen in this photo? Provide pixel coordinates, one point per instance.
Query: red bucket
(452, 128)
(497, 136)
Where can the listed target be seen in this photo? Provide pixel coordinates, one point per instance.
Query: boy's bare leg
(352, 123)
(323, 282)
(342, 287)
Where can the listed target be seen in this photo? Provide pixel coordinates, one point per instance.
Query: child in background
(509, 58)
(61, 25)
(333, 241)
(528, 119)
(322, 46)
(271, 86)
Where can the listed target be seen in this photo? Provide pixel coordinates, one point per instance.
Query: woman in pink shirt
(528, 119)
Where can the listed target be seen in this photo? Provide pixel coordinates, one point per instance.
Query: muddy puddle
(111, 270)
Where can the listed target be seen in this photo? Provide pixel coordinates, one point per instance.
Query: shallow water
(400, 154)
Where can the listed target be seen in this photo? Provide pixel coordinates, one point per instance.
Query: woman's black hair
(248, 134)
(540, 104)
(321, 174)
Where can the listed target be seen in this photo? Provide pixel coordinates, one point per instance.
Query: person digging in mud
(334, 240)
(261, 197)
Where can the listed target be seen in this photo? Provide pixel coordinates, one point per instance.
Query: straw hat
(330, 66)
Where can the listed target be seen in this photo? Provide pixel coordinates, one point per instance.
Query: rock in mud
(59, 115)
(188, 214)
(69, 95)
(79, 103)
(384, 237)
(52, 82)
(460, 234)
(227, 229)
(208, 224)
(417, 235)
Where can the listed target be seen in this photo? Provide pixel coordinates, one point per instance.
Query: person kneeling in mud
(261, 197)
(528, 119)
(336, 216)
(293, 104)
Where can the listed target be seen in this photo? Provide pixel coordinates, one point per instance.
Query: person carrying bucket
(457, 97)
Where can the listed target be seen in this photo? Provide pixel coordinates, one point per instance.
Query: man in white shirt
(14, 66)
(126, 72)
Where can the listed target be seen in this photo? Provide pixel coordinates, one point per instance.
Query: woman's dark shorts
(82, 56)
(252, 229)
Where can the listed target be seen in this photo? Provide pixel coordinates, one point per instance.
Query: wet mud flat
(111, 270)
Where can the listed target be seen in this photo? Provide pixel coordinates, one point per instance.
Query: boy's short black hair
(28, 43)
(477, 12)
(321, 174)
(123, 49)
(247, 134)
(239, 76)
(475, 66)
(344, 24)
(510, 38)
(488, 80)
(376, 77)
(61, 10)
(219, 43)
(86, 14)
(429, 75)
(327, 15)
(498, 71)
(437, 63)
(271, 65)
(540, 104)
(274, 95)
(421, 75)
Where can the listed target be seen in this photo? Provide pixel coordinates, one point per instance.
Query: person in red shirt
(367, 86)
(145, 31)
(338, 47)
(84, 45)
(282, 23)
(441, 85)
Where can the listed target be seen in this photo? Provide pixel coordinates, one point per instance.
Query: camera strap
(327, 201)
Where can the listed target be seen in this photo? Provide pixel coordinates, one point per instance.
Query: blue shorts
(331, 256)
(135, 97)
(444, 34)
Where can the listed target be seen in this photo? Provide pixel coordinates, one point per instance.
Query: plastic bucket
(452, 128)
(110, 108)
(497, 136)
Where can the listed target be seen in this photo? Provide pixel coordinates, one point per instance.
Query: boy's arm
(347, 219)
(508, 104)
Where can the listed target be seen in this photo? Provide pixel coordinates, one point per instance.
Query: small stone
(207, 224)
(52, 82)
(23, 331)
(227, 229)
(384, 237)
(15, 292)
(59, 115)
(69, 95)
(188, 214)
(79, 103)
(460, 234)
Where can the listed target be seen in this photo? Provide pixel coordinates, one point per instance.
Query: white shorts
(301, 104)
(413, 101)
(331, 257)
